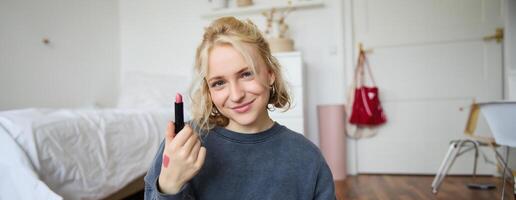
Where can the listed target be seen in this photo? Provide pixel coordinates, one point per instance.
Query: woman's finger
(182, 137)
(195, 150)
(169, 133)
(190, 143)
(200, 158)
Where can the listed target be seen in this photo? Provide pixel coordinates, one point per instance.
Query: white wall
(161, 36)
(78, 68)
(93, 44)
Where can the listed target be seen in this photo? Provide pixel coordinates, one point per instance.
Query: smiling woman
(243, 154)
(229, 46)
(239, 93)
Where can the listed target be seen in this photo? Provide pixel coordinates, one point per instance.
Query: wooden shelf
(256, 9)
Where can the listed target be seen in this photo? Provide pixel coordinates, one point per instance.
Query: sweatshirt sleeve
(151, 182)
(325, 187)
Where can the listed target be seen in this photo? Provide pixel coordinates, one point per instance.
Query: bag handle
(359, 71)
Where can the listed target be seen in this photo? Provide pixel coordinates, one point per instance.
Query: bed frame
(133, 187)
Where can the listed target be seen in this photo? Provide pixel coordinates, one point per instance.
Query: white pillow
(19, 180)
(144, 90)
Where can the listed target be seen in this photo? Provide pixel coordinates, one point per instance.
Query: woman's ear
(272, 77)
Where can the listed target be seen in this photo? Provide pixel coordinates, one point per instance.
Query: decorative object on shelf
(242, 3)
(259, 8)
(218, 4)
(276, 30)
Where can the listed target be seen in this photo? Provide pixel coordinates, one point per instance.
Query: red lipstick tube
(178, 111)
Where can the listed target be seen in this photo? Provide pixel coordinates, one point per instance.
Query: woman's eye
(217, 84)
(247, 74)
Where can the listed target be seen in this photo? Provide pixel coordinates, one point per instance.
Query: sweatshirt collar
(248, 137)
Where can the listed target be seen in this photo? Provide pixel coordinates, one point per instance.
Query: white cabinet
(292, 68)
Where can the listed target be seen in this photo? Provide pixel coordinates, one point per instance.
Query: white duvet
(76, 154)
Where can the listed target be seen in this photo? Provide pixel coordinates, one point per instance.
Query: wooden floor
(414, 187)
(397, 187)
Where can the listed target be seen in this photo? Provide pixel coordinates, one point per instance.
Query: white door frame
(509, 48)
(349, 61)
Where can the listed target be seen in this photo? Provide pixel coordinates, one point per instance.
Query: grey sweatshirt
(277, 163)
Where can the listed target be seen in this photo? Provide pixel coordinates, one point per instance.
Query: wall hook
(45, 40)
(361, 48)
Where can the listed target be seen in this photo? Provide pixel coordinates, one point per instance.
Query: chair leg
(506, 169)
(507, 149)
(452, 150)
(475, 143)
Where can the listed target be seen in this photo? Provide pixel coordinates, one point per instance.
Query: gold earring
(273, 90)
(215, 111)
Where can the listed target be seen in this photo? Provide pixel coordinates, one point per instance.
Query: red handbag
(367, 109)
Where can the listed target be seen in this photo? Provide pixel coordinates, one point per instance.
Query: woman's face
(237, 92)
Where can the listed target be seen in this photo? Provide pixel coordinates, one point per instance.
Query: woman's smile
(242, 108)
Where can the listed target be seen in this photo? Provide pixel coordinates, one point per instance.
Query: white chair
(501, 118)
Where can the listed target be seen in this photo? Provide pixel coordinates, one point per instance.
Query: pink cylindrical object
(332, 138)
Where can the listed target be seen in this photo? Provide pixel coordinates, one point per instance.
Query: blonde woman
(241, 152)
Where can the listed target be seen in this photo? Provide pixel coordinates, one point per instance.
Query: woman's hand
(183, 157)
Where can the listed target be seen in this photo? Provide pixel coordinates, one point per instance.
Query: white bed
(76, 154)
(87, 153)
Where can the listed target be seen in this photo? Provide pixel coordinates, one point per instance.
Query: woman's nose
(236, 92)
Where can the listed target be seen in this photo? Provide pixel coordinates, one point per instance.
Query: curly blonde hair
(238, 34)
